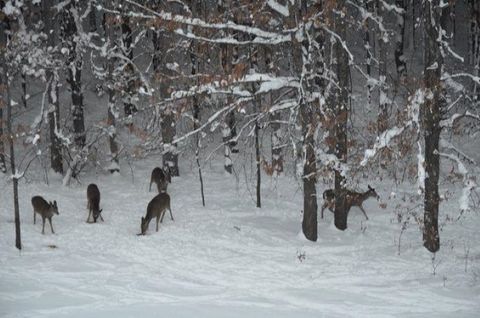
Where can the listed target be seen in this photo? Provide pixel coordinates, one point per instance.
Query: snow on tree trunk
(196, 8)
(400, 40)
(432, 112)
(10, 137)
(129, 72)
(382, 120)
(74, 65)
(50, 25)
(170, 156)
(56, 161)
(341, 113)
(276, 134)
(112, 111)
(368, 50)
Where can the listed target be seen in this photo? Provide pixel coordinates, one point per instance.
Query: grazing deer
(45, 209)
(352, 198)
(156, 208)
(162, 178)
(93, 203)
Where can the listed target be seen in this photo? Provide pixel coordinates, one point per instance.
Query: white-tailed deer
(93, 203)
(45, 209)
(352, 198)
(161, 177)
(156, 209)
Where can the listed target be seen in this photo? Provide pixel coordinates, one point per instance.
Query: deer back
(44, 208)
(93, 197)
(157, 205)
(357, 198)
(161, 178)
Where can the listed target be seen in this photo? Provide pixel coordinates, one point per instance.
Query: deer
(161, 177)
(352, 198)
(93, 203)
(45, 209)
(156, 209)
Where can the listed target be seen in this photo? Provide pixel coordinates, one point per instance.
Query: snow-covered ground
(229, 259)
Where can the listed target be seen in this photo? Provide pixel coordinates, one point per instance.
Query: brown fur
(45, 209)
(93, 202)
(161, 177)
(156, 209)
(352, 199)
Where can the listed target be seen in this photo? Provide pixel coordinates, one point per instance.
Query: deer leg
(51, 227)
(150, 188)
(43, 226)
(171, 216)
(163, 214)
(88, 218)
(364, 213)
(323, 208)
(34, 217)
(101, 217)
(158, 218)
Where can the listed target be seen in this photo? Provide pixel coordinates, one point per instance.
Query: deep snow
(228, 259)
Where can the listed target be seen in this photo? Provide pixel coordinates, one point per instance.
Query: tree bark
(50, 22)
(276, 135)
(170, 156)
(129, 72)
(3, 82)
(195, 8)
(112, 111)
(382, 120)
(400, 40)
(341, 113)
(432, 112)
(74, 65)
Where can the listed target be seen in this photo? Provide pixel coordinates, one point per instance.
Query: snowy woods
(264, 115)
(333, 89)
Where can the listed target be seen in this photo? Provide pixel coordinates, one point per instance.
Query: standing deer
(156, 208)
(352, 198)
(161, 177)
(93, 203)
(45, 209)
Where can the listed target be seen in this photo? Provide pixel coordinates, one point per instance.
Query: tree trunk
(432, 112)
(11, 141)
(170, 156)
(195, 8)
(50, 22)
(382, 120)
(129, 73)
(3, 167)
(3, 98)
(112, 111)
(368, 49)
(24, 89)
(92, 16)
(400, 40)
(276, 135)
(341, 113)
(54, 126)
(228, 55)
(74, 65)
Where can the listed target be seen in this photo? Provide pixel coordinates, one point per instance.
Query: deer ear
(54, 203)
(100, 211)
(369, 187)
